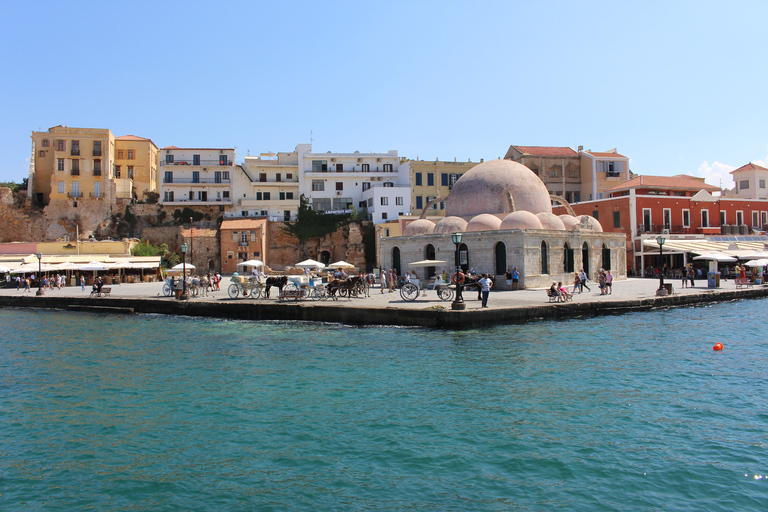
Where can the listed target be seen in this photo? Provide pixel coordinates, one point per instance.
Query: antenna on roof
(311, 140)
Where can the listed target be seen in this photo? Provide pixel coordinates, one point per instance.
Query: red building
(682, 208)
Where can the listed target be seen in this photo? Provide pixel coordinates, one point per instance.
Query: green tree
(311, 224)
(168, 258)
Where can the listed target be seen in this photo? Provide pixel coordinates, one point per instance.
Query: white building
(196, 177)
(338, 182)
(267, 186)
(751, 181)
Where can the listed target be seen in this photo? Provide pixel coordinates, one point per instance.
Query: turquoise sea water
(153, 413)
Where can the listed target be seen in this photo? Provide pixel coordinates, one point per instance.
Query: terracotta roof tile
(130, 137)
(605, 154)
(749, 167)
(242, 223)
(546, 151)
(663, 182)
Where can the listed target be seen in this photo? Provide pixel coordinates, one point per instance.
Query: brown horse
(277, 281)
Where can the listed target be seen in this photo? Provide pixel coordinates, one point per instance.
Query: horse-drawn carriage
(445, 290)
(255, 287)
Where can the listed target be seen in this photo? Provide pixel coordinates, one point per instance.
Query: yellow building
(433, 180)
(71, 163)
(135, 166)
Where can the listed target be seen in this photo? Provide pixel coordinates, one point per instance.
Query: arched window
(585, 257)
(544, 259)
(606, 258)
(429, 254)
(325, 257)
(501, 258)
(567, 259)
(396, 260)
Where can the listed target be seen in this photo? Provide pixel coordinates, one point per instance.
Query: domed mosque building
(504, 214)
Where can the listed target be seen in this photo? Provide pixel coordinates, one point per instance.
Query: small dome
(521, 220)
(450, 225)
(482, 190)
(419, 227)
(551, 221)
(484, 222)
(594, 223)
(569, 221)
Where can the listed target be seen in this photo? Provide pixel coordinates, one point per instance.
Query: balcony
(96, 152)
(93, 195)
(74, 195)
(201, 181)
(97, 172)
(75, 172)
(75, 152)
(211, 163)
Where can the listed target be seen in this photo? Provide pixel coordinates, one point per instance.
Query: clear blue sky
(677, 86)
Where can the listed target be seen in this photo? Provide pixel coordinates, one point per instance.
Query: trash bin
(668, 287)
(177, 294)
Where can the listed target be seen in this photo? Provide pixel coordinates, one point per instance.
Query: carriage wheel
(445, 293)
(409, 292)
(167, 290)
(255, 293)
(343, 291)
(315, 294)
(233, 291)
(290, 286)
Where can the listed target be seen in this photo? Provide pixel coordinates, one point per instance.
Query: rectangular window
(434, 206)
(76, 147)
(75, 189)
(739, 217)
(97, 167)
(319, 165)
(763, 218)
(282, 196)
(755, 218)
(263, 177)
(61, 187)
(117, 172)
(705, 218)
(399, 201)
(366, 167)
(616, 219)
(419, 202)
(387, 167)
(225, 175)
(41, 153)
(44, 143)
(366, 186)
(168, 177)
(320, 204)
(384, 201)
(342, 203)
(418, 179)
(97, 189)
(267, 196)
(686, 218)
(723, 218)
(61, 145)
(195, 176)
(191, 195)
(130, 154)
(453, 179)
(244, 239)
(553, 172)
(744, 184)
(169, 159)
(386, 232)
(97, 148)
(202, 195)
(75, 167)
(339, 167)
(258, 196)
(647, 224)
(217, 177)
(130, 172)
(318, 185)
(430, 179)
(278, 177)
(225, 194)
(339, 185)
(195, 159)
(762, 183)
(223, 160)
(370, 202)
(444, 179)
(383, 215)
(289, 176)
(667, 218)
(121, 153)
(59, 164)
(595, 214)
(168, 196)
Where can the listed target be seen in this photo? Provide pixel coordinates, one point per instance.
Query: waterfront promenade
(387, 308)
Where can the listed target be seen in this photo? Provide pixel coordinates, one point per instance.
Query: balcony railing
(96, 152)
(201, 181)
(97, 172)
(94, 195)
(75, 152)
(74, 194)
(75, 172)
(212, 163)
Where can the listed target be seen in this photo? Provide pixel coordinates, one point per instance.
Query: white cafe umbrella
(754, 255)
(181, 266)
(121, 264)
(4, 269)
(341, 264)
(427, 263)
(94, 265)
(310, 264)
(251, 263)
(757, 263)
(715, 256)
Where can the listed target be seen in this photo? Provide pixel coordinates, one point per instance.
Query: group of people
(689, 274)
(388, 279)
(560, 292)
(513, 279)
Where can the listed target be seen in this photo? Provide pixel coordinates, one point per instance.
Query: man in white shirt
(485, 288)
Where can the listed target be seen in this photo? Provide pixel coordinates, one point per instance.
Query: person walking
(485, 287)
(383, 279)
(609, 281)
(584, 279)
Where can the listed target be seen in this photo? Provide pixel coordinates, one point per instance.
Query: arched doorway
(429, 254)
(325, 257)
(567, 259)
(606, 258)
(211, 265)
(396, 260)
(501, 258)
(585, 257)
(464, 257)
(544, 258)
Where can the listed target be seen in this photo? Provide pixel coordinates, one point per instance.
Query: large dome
(450, 225)
(482, 190)
(419, 227)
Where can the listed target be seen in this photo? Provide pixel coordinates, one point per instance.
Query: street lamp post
(39, 275)
(184, 295)
(458, 302)
(661, 291)
(191, 239)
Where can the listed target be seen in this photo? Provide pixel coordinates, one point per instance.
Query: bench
(740, 282)
(105, 291)
(555, 297)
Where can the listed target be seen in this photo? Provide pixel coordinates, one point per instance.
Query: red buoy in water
(717, 347)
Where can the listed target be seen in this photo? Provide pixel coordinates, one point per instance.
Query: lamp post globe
(458, 301)
(184, 295)
(40, 290)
